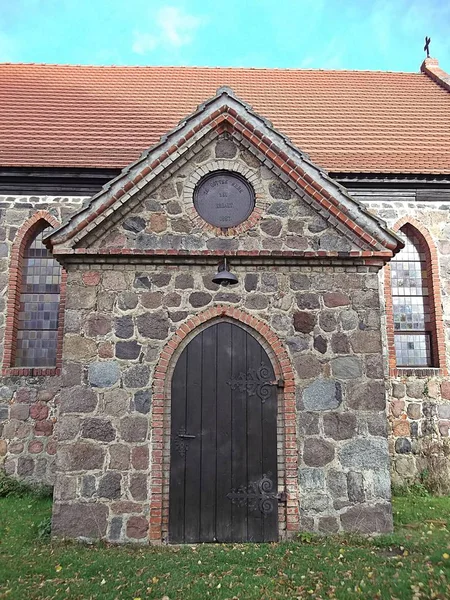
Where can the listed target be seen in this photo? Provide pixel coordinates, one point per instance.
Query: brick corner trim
(160, 423)
(437, 320)
(24, 236)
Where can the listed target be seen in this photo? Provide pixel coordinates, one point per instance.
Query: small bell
(223, 276)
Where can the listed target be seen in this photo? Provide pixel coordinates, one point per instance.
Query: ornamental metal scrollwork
(258, 495)
(256, 382)
(181, 441)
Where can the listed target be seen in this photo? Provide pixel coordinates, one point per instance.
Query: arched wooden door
(223, 473)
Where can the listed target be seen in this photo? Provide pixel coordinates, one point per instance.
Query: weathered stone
(114, 280)
(134, 429)
(136, 376)
(311, 479)
(142, 280)
(105, 350)
(298, 343)
(304, 321)
(177, 316)
(364, 454)
(225, 149)
(21, 412)
(327, 321)
(339, 426)
(39, 412)
(119, 457)
(308, 423)
(172, 300)
(308, 301)
(349, 319)
(81, 456)
(367, 396)
(365, 299)
(322, 394)
(317, 452)
(340, 343)
(366, 341)
(337, 484)
(43, 428)
(328, 525)
(382, 483)
(406, 467)
(98, 429)
(415, 388)
(402, 446)
(139, 458)
(336, 242)
(279, 190)
(77, 399)
(346, 367)
(134, 224)
(355, 486)
(307, 366)
(271, 227)
(68, 428)
(445, 390)
(317, 225)
(127, 300)
(256, 302)
(443, 411)
(227, 297)
(374, 366)
(128, 350)
(6, 393)
(25, 466)
(97, 325)
(251, 282)
(157, 224)
(299, 281)
(3, 448)
(91, 278)
(307, 524)
(103, 374)
(368, 519)
(105, 301)
(72, 321)
(315, 502)
(377, 424)
(65, 488)
(78, 348)
(137, 527)
(115, 529)
(269, 282)
(199, 299)
(138, 486)
(142, 401)
(154, 326)
(85, 520)
(334, 299)
(151, 299)
(116, 402)
(184, 281)
(414, 410)
(110, 485)
(26, 395)
(124, 327)
(81, 298)
(320, 344)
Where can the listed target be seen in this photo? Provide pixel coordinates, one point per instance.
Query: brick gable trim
(226, 113)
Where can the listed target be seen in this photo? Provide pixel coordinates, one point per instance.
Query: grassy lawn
(412, 563)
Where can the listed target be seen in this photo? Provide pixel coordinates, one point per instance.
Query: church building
(224, 296)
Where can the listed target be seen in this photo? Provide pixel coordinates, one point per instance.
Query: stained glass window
(37, 323)
(411, 303)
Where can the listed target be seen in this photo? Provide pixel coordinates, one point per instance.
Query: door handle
(185, 436)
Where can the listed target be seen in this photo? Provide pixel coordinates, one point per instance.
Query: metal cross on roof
(427, 46)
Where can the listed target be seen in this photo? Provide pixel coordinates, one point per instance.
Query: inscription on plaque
(224, 199)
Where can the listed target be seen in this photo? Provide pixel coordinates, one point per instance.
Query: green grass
(409, 564)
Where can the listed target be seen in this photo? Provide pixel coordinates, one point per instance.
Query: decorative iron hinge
(258, 495)
(256, 382)
(180, 445)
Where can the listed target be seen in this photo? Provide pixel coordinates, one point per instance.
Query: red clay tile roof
(347, 121)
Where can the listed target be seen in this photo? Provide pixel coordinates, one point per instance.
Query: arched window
(35, 312)
(37, 319)
(411, 291)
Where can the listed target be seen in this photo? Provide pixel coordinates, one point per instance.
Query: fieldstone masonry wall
(28, 405)
(119, 321)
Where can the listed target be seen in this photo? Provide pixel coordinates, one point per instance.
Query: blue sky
(327, 34)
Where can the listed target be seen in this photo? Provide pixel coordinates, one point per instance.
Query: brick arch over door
(27, 232)
(432, 265)
(161, 422)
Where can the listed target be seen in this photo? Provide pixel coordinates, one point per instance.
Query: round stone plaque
(224, 199)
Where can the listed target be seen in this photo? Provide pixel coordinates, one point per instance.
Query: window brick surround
(438, 338)
(25, 234)
(286, 426)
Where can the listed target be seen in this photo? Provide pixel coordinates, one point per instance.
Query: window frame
(436, 328)
(24, 237)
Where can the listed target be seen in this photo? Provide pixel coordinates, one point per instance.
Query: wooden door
(223, 474)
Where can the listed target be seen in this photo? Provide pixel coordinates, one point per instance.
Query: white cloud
(174, 28)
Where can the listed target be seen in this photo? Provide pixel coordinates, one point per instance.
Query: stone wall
(28, 405)
(118, 322)
(419, 404)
